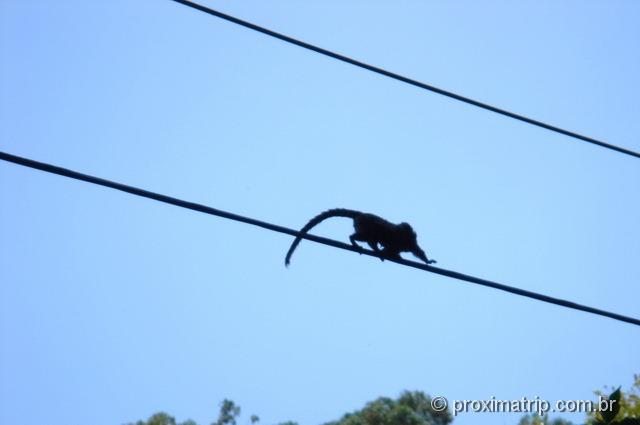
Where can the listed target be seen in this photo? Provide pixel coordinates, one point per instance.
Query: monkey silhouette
(375, 231)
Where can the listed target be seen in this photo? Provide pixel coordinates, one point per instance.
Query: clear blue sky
(113, 307)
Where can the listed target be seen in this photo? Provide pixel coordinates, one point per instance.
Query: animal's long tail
(336, 212)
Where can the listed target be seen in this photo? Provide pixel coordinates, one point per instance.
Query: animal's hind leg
(355, 237)
(374, 246)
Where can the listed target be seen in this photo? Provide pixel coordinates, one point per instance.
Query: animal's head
(407, 238)
(408, 233)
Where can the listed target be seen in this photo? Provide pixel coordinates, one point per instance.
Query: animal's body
(386, 238)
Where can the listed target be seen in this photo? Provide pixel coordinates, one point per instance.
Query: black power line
(213, 211)
(405, 79)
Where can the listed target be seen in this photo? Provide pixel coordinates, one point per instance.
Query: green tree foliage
(535, 419)
(228, 413)
(628, 403)
(162, 418)
(414, 408)
(411, 408)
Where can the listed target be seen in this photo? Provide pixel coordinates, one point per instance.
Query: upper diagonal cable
(407, 80)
